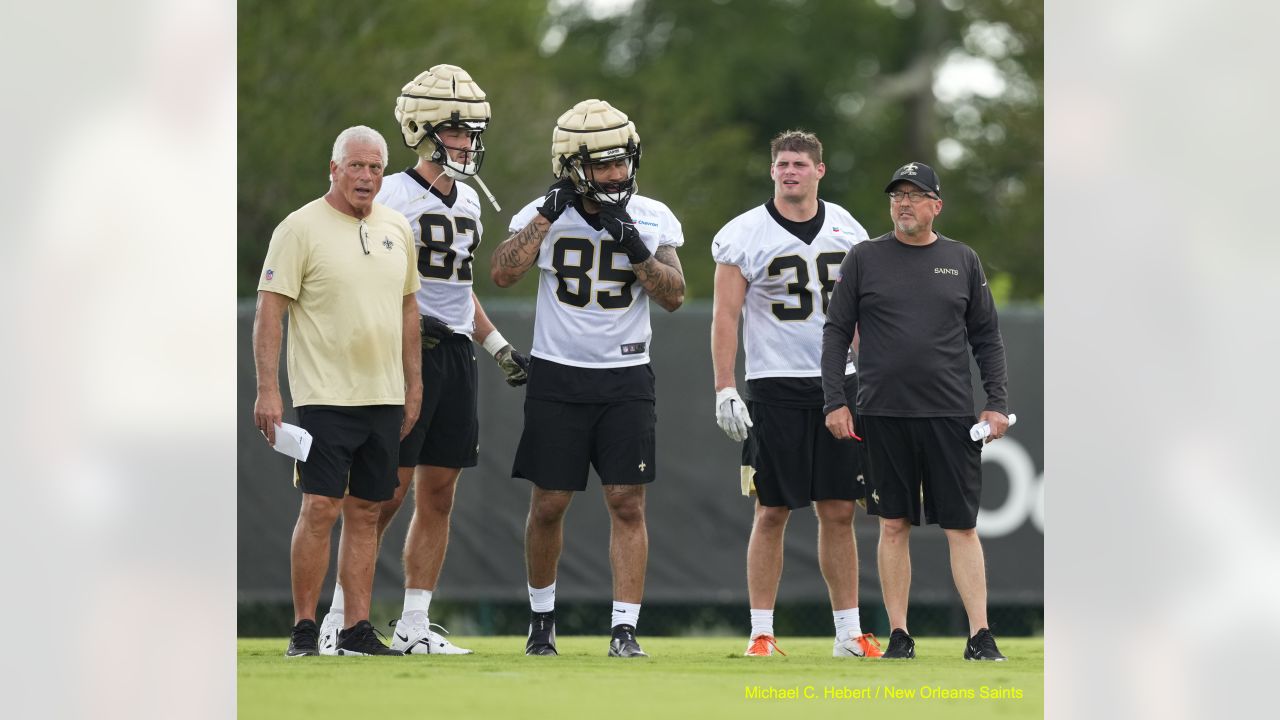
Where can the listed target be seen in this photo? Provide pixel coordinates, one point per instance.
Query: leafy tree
(707, 83)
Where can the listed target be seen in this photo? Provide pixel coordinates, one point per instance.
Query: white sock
(761, 622)
(338, 601)
(416, 600)
(846, 623)
(542, 599)
(625, 614)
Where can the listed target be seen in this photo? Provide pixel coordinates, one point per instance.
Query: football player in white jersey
(442, 114)
(776, 267)
(603, 252)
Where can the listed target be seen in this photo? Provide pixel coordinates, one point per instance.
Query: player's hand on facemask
(433, 331)
(732, 415)
(559, 196)
(617, 221)
(514, 364)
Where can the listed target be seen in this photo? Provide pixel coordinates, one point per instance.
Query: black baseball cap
(918, 174)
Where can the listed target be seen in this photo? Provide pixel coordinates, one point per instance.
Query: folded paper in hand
(293, 441)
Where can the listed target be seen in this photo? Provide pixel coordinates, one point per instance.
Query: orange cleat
(864, 645)
(762, 646)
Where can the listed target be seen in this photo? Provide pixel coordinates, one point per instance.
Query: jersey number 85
(573, 258)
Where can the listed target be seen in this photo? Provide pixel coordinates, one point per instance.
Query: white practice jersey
(789, 283)
(592, 310)
(446, 230)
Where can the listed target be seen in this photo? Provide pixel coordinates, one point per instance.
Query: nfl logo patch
(270, 274)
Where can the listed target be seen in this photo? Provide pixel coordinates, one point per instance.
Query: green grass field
(684, 678)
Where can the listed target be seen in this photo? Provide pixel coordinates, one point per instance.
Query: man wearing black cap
(917, 299)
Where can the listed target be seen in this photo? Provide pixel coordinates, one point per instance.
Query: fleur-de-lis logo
(908, 169)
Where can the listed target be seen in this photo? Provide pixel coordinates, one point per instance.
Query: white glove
(731, 414)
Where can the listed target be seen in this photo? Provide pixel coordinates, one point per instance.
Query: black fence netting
(698, 521)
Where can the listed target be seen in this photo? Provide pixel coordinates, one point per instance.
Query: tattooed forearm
(514, 256)
(663, 278)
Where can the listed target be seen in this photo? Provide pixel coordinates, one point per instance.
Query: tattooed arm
(514, 256)
(662, 277)
(660, 273)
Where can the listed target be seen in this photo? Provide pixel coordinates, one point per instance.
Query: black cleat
(304, 639)
(983, 647)
(542, 634)
(362, 639)
(624, 643)
(901, 646)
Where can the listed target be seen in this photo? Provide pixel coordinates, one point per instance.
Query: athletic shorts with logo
(353, 450)
(570, 428)
(447, 433)
(924, 465)
(794, 458)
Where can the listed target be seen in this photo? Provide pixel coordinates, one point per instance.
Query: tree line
(707, 82)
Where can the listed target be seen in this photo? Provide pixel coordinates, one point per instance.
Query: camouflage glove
(514, 364)
(433, 331)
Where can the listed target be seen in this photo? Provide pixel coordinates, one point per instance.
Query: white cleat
(413, 635)
(329, 630)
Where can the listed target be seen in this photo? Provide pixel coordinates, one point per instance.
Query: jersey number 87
(433, 225)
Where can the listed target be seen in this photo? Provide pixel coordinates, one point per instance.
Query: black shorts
(933, 457)
(353, 450)
(561, 439)
(796, 460)
(447, 433)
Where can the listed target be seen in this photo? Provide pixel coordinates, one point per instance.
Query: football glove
(561, 193)
(732, 415)
(514, 364)
(433, 331)
(623, 229)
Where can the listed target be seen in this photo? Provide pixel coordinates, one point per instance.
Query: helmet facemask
(472, 153)
(606, 192)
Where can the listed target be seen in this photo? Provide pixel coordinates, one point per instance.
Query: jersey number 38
(799, 286)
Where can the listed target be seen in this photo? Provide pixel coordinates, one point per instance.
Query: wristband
(494, 342)
(632, 252)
